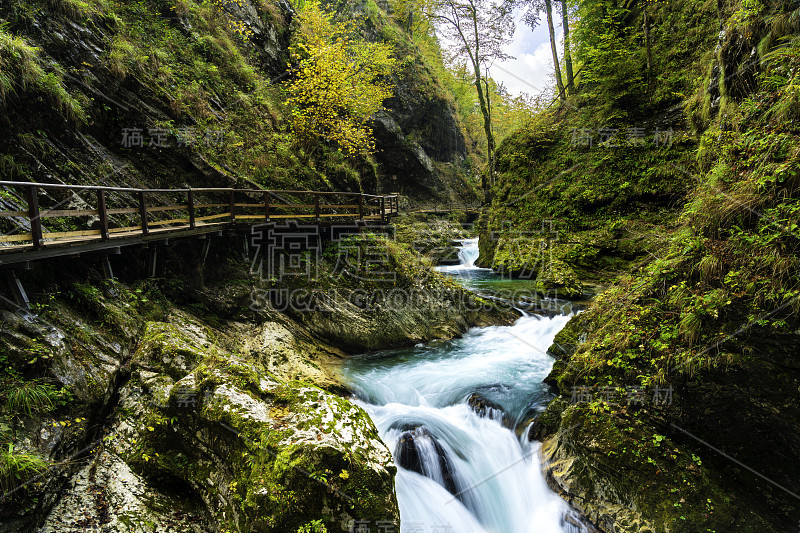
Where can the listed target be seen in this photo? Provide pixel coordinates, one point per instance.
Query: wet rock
(484, 407)
(413, 452)
(240, 439)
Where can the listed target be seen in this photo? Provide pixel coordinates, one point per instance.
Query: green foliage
(612, 57)
(340, 82)
(23, 70)
(24, 398)
(16, 467)
(315, 526)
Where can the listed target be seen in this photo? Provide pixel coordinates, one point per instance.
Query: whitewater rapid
(466, 472)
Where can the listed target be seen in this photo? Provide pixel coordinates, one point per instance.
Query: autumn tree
(478, 31)
(340, 82)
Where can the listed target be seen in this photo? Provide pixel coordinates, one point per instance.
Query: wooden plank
(170, 221)
(249, 205)
(65, 234)
(167, 208)
(13, 213)
(15, 238)
(212, 217)
(199, 206)
(68, 213)
(338, 206)
(123, 211)
(328, 215)
(292, 205)
(126, 228)
(291, 216)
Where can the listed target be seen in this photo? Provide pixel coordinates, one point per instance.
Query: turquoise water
(465, 472)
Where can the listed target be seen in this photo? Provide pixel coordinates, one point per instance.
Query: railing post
(102, 214)
(360, 206)
(33, 215)
(143, 213)
(266, 206)
(383, 209)
(233, 205)
(192, 223)
(316, 207)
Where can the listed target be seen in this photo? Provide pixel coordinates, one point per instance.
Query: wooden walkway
(84, 218)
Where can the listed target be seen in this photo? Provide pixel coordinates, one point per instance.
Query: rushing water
(458, 471)
(520, 292)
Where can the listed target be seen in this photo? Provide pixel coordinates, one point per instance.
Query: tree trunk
(487, 126)
(559, 82)
(649, 52)
(567, 52)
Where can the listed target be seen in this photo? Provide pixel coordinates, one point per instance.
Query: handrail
(368, 207)
(195, 189)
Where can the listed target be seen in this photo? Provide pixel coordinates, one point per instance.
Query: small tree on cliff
(478, 30)
(341, 81)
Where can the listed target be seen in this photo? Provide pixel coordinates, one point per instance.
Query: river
(458, 471)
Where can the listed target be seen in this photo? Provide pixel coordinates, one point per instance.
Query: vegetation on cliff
(699, 238)
(203, 404)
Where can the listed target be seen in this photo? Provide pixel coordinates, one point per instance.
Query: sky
(531, 70)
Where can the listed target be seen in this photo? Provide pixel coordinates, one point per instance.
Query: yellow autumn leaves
(340, 82)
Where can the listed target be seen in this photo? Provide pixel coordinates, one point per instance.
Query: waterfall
(467, 255)
(447, 410)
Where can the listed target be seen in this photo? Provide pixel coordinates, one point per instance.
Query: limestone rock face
(178, 423)
(232, 443)
(106, 493)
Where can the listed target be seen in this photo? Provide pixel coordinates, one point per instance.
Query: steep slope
(189, 402)
(164, 93)
(587, 189)
(678, 407)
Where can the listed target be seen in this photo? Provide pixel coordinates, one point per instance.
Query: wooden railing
(443, 207)
(118, 212)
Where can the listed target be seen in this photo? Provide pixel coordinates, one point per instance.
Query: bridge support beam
(204, 253)
(152, 261)
(18, 291)
(245, 247)
(108, 272)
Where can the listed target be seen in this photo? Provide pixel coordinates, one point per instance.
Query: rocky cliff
(169, 93)
(675, 411)
(178, 404)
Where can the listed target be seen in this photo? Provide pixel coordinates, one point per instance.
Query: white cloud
(531, 70)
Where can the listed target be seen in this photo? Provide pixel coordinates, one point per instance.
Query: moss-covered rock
(434, 237)
(390, 297)
(262, 454)
(614, 466)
